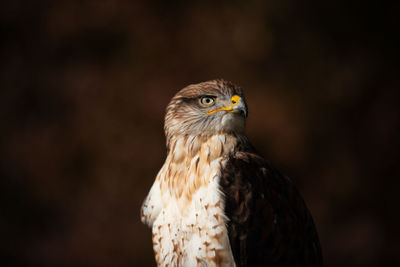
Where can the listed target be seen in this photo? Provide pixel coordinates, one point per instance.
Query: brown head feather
(185, 116)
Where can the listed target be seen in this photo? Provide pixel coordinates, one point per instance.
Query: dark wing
(269, 223)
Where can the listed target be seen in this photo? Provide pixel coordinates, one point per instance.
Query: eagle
(216, 201)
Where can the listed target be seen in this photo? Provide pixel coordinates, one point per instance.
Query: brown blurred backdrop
(84, 86)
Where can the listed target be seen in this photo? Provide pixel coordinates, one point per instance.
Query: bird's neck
(207, 147)
(193, 162)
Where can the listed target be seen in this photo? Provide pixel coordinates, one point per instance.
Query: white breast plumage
(185, 206)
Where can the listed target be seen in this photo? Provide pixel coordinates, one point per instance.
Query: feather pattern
(185, 206)
(269, 223)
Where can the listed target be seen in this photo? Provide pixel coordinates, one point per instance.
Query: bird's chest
(196, 233)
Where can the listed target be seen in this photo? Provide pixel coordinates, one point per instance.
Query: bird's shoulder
(269, 222)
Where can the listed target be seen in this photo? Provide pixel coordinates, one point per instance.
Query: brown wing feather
(269, 223)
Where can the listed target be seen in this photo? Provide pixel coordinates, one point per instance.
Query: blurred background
(83, 90)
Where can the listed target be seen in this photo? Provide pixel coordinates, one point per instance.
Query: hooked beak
(237, 106)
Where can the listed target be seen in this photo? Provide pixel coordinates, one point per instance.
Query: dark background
(84, 86)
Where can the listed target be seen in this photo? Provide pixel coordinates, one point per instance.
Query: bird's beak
(237, 105)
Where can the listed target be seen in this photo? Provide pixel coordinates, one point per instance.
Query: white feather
(197, 234)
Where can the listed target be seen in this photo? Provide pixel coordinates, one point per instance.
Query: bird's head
(206, 108)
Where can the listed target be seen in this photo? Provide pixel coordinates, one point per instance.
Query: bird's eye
(207, 101)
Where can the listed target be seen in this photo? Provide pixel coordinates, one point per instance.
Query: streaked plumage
(215, 201)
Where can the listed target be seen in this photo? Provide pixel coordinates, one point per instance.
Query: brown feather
(269, 223)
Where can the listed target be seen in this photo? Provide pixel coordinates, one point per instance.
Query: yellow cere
(234, 101)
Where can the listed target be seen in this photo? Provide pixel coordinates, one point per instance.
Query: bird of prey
(216, 201)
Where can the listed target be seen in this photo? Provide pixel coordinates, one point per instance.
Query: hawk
(216, 201)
